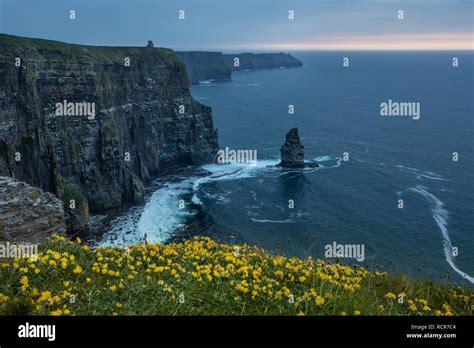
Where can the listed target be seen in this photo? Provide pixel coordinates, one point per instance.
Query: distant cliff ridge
(145, 120)
(205, 66)
(252, 61)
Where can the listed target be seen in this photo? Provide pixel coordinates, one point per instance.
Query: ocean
(370, 165)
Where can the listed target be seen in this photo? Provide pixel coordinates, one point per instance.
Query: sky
(253, 25)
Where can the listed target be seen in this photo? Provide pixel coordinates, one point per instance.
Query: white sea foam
(287, 221)
(195, 199)
(247, 85)
(322, 159)
(207, 83)
(419, 173)
(233, 171)
(440, 215)
(161, 215)
(158, 219)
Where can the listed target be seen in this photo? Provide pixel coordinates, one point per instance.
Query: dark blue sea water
(337, 110)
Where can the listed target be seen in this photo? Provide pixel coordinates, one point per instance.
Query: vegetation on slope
(85, 53)
(202, 277)
(70, 192)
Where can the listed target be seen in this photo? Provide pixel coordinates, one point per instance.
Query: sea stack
(292, 152)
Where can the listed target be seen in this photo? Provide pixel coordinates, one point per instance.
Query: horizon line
(358, 45)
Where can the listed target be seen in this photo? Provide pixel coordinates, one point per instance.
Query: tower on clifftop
(150, 44)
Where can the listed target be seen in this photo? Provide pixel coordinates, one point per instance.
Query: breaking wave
(162, 215)
(157, 220)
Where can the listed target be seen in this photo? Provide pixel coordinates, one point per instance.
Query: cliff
(252, 61)
(27, 214)
(205, 66)
(145, 120)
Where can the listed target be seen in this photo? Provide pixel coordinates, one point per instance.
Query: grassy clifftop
(105, 54)
(202, 277)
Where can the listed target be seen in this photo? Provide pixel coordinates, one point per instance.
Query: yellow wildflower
(77, 270)
(24, 281)
(45, 296)
(319, 300)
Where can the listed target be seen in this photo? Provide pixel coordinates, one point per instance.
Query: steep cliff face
(145, 119)
(251, 61)
(202, 66)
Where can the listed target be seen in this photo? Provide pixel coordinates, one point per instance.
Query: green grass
(202, 277)
(70, 192)
(104, 54)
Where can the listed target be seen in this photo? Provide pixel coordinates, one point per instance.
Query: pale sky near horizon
(230, 25)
